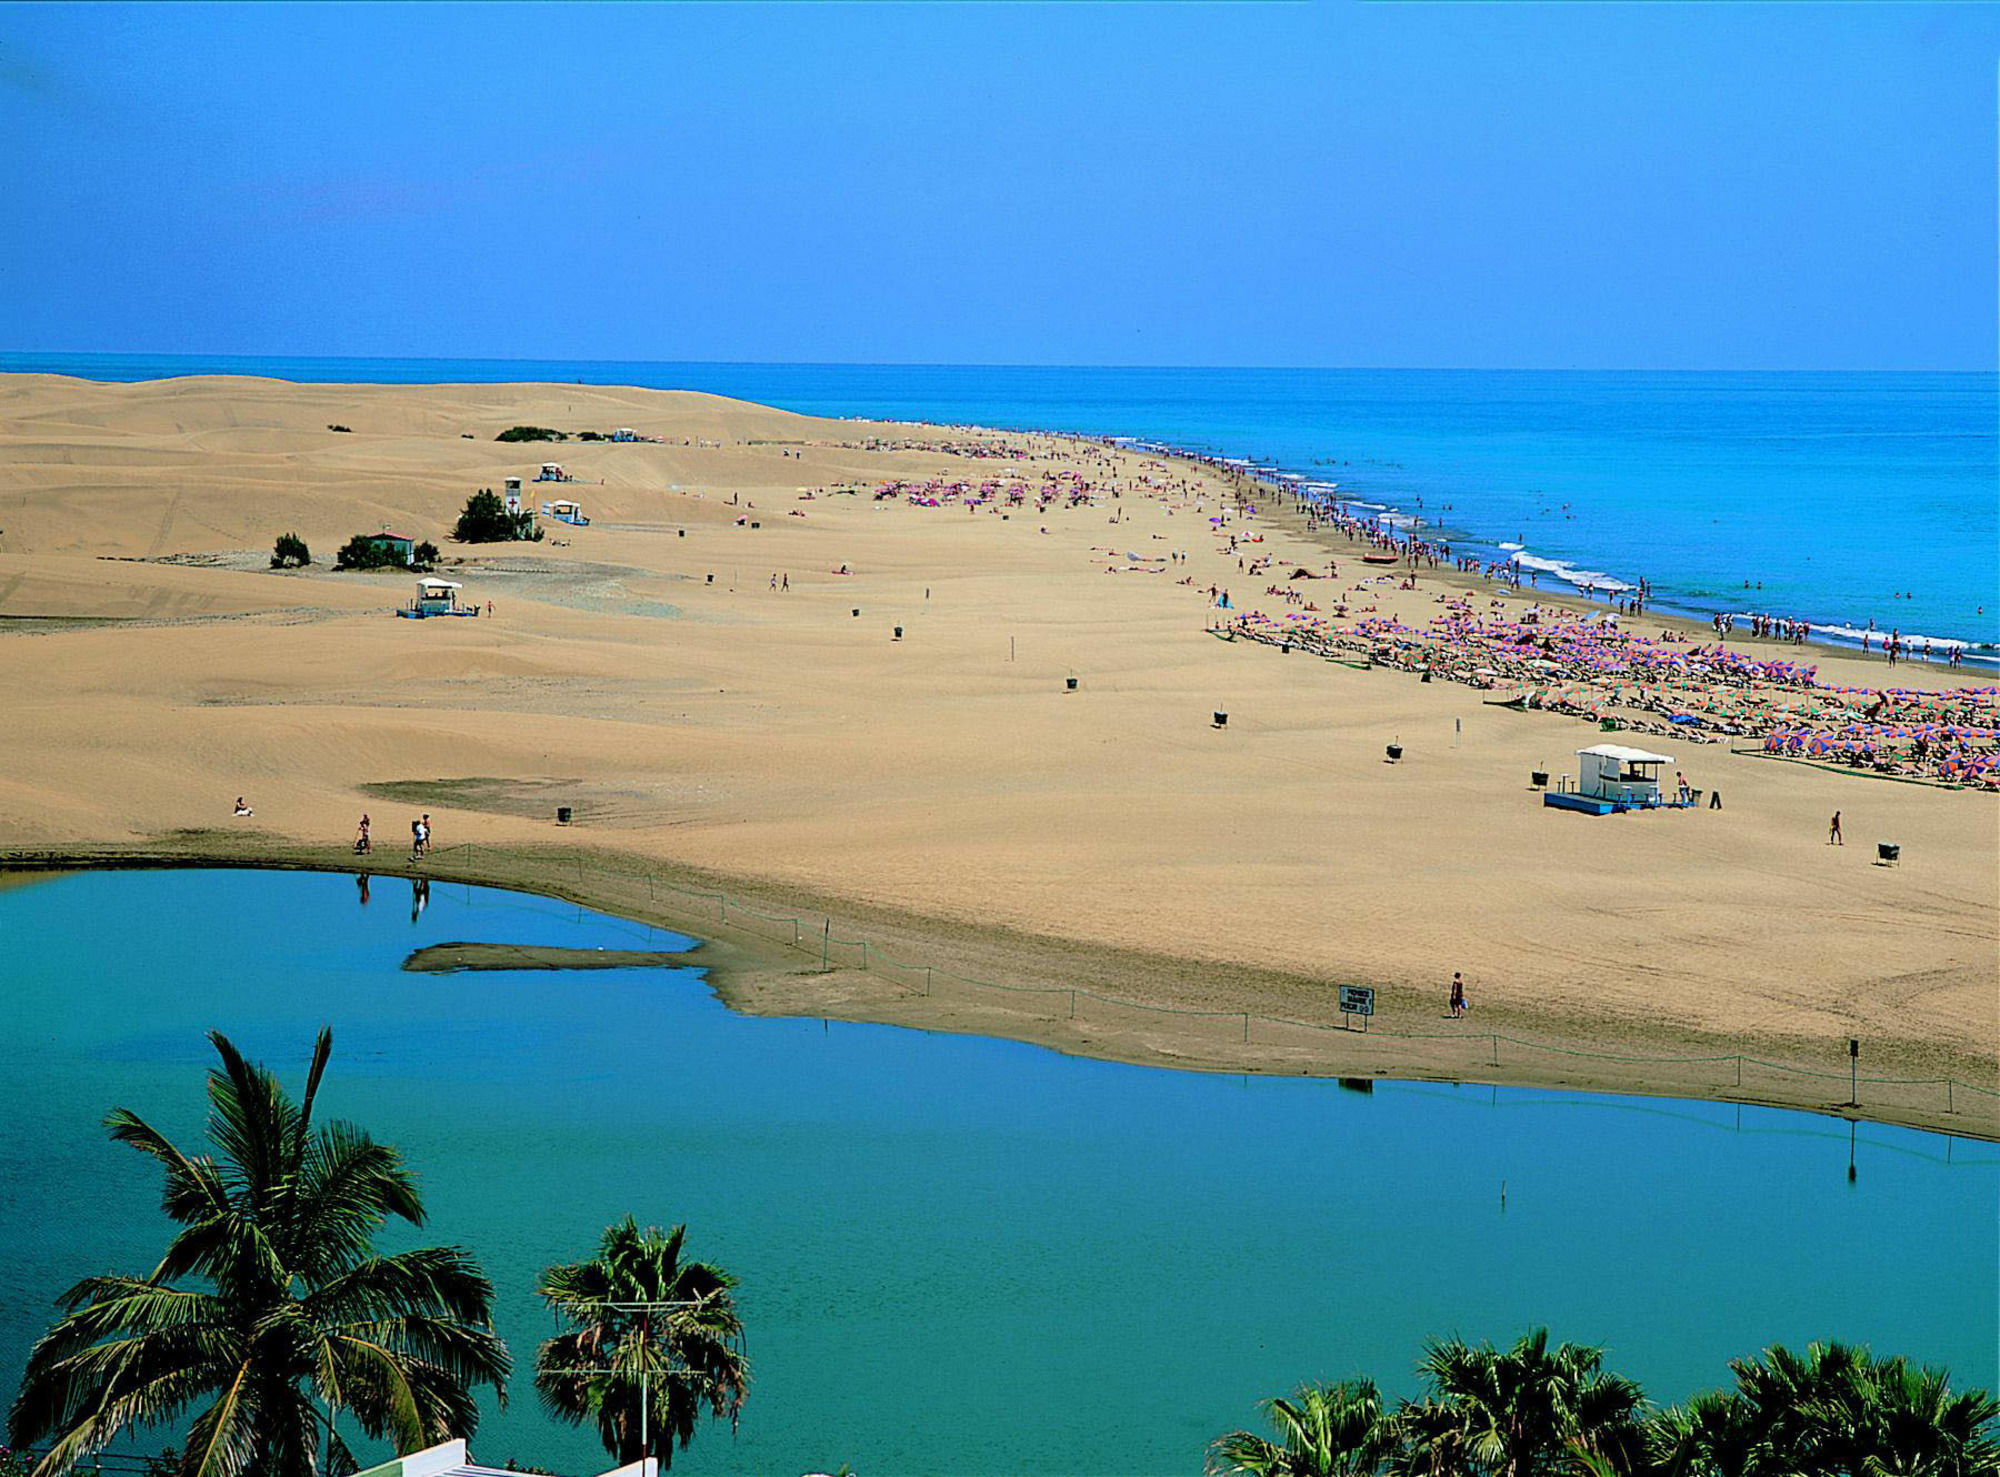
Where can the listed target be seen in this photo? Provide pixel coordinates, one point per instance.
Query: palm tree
(270, 1310)
(1837, 1409)
(1325, 1431)
(652, 1341)
(1711, 1436)
(1526, 1412)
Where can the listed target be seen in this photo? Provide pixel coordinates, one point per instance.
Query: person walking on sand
(1458, 1005)
(425, 833)
(1833, 831)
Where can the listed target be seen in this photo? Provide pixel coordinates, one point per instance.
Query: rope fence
(814, 936)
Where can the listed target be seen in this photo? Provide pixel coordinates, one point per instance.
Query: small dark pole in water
(1852, 1125)
(1503, 1197)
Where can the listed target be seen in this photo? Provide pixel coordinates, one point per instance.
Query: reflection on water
(928, 1224)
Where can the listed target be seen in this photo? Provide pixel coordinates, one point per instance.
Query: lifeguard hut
(436, 597)
(1611, 778)
(553, 472)
(514, 495)
(566, 510)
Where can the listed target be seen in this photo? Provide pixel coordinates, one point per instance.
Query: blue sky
(1647, 186)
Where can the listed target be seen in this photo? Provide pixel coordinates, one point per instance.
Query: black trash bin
(1888, 851)
(1070, 683)
(1221, 720)
(1395, 751)
(563, 813)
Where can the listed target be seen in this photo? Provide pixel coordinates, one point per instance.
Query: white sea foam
(1876, 638)
(1569, 574)
(1513, 548)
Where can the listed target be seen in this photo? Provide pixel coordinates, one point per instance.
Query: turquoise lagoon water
(1840, 498)
(958, 1255)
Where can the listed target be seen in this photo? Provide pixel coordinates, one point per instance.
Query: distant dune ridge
(944, 787)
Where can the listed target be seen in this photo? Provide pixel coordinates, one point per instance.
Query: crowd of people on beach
(1588, 666)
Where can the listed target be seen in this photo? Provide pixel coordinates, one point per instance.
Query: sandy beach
(943, 793)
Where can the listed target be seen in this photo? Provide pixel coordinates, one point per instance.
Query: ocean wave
(1569, 574)
(1876, 638)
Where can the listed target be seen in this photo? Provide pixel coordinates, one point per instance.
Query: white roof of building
(1625, 755)
(437, 584)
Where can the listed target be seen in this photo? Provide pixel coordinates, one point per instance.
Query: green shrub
(531, 433)
(367, 551)
(424, 555)
(290, 553)
(487, 521)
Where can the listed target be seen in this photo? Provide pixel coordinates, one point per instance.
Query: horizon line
(6, 354)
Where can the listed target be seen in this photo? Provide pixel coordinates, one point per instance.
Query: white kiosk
(1611, 778)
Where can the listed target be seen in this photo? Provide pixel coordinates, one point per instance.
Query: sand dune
(945, 784)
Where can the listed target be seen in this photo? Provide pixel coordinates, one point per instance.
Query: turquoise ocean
(958, 1255)
(1839, 498)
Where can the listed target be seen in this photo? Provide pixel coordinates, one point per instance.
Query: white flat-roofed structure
(1621, 775)
(437, 597)
(449, 1459)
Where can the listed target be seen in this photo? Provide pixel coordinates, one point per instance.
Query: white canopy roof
(1625, 755)
(437, 584)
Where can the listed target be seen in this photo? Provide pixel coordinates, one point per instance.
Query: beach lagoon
(958, 1255)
